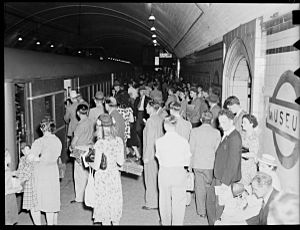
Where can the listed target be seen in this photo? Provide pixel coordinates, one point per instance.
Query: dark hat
(194, 89)
(111, 101)
(116, 83)
(142, 87)
(99, 95)
(105, 120)
(213, 98)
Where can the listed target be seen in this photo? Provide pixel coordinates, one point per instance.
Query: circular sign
(283, 119)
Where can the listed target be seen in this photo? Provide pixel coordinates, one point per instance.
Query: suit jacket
(70, 118)
(183, 128)
(204, 141)
(152, 131)
(261, 218)
(136, 104)
(215, 111)
(200, 107)
(227, 167)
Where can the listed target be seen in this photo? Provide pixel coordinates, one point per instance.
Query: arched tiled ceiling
(123, 29)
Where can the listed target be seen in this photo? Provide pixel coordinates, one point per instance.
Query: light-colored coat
(204, 142)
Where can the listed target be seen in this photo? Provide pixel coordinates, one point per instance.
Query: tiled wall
(280, 56)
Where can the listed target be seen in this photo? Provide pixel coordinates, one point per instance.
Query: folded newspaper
(78, 151)
(132, 167)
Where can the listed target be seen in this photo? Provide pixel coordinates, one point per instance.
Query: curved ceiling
(121, 30)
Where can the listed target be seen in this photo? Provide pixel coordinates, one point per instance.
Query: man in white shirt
(99, 109)
(183, 128)
(173, 154)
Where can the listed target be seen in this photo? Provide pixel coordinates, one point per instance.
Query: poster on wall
(283, 119)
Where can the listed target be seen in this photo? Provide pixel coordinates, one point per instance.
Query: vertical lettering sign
(283, 119)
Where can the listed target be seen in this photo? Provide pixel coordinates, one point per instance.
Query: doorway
(241, 84)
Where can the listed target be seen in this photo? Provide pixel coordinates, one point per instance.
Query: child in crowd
(25, 175)
(12, 186)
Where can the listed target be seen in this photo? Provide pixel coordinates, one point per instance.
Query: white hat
(268, 159)
(73, 94)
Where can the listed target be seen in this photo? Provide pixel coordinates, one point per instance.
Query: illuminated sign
(165, 55)
(283, 118)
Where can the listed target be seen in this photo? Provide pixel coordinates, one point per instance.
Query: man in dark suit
(227, 165)
(262, 188)
(213, 101)
(140, 113)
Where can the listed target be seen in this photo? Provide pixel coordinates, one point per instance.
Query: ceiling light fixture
(153, 35)
(51, 45)
(20, 39)
(79, 51)
(154, 41)
(151, 17)
(152, 28)
(38, 43)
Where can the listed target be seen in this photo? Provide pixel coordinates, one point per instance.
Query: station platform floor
(133, 200)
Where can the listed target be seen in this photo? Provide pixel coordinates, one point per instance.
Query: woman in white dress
(45, 152)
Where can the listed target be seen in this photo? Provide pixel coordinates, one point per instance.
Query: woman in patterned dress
(130, 134)
(45, 151)
(108, 187)
(250, 145)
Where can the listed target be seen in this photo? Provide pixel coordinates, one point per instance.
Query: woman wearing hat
(108, 188)
(46, 151)
(267, 164)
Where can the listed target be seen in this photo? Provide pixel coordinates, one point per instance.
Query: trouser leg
(178, 202)
(203, 179)
(80, 179)
(164, 198)
(150, 173)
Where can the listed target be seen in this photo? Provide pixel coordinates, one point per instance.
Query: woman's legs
(50, 218)
(106, 222)
(36, 217)
(55, 218)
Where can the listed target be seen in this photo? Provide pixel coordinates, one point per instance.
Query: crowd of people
(172, 128)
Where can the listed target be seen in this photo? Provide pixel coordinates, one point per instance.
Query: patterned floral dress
(109, 199)
(127, 114)
(248, 167)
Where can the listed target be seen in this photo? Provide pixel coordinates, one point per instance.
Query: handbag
(190, 181)
(103, 164)
(90, 157)
(90, 193)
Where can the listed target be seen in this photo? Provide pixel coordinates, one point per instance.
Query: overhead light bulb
(38, 43)
(154, 41)
(20, 39)
(51, 45)
(153, 35)
(79, 51)
(151, 18)
(152, 28)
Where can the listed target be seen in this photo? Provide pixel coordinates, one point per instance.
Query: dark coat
(227, 167)
(136, 103)
(227, 170)
(261, 218)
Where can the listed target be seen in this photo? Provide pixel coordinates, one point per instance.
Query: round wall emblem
(283, 118)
